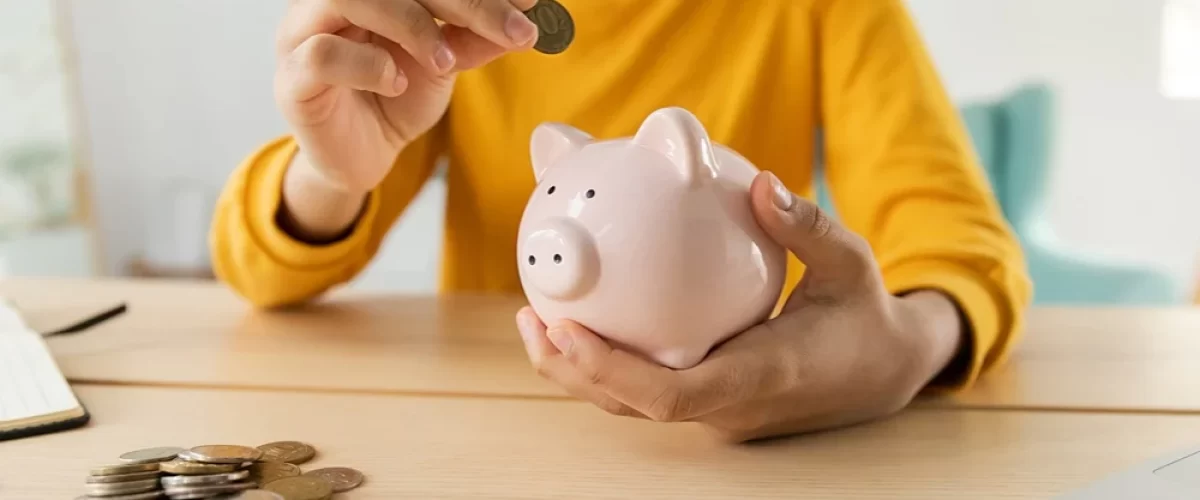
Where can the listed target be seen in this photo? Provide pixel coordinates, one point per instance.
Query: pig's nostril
(532, 260)
(557, 259)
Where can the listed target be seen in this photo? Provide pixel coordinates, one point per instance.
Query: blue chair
(1012, 136)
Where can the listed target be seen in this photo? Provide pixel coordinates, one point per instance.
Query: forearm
(313, 209)
(901, 159)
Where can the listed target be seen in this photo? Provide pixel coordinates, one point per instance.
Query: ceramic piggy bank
(649, 241)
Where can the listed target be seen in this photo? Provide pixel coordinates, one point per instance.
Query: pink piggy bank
(649, 241)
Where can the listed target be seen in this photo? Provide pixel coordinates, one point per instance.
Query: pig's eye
(550, 191)
(591, 193)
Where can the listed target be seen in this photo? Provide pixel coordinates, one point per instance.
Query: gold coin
(111, 470)
(185, 468)
(301, 488)
(292, 452)
(266, 472)
(222, 454)
(151, 455)
(556, 28)
(341, 478)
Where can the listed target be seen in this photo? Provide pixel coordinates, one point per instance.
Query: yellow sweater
(762, 76)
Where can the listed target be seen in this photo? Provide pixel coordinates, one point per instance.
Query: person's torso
(747, 70)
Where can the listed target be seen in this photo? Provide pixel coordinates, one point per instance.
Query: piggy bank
(649, 241)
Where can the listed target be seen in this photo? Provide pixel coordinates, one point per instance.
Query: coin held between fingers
(556, 28)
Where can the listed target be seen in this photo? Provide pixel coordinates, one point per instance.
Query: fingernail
(561, 339)
(519, 28)
(782, 197)
(443, 58)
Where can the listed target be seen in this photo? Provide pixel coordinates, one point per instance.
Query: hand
(357, 80)
(842, 351)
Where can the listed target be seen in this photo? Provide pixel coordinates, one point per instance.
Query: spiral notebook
(35, 397)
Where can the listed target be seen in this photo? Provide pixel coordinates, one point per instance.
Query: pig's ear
(679, 135)
(552, 141)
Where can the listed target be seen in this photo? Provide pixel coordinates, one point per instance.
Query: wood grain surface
(200, 334)
(471, 448)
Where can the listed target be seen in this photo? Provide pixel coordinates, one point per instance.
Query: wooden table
(470, 448)
(434, 398)
(200, 334)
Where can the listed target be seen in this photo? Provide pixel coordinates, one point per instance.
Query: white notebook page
(31, 384)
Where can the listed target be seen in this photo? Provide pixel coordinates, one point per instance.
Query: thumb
(836, 260)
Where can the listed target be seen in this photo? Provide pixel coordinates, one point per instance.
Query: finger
(305, 19)
(832, 254)
(326, 60)
(472, 50)
(552, 366)
(658, 392)
(498, 21)
(406, 23)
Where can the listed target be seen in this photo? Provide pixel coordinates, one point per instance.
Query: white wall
(1127, 160)
(182, 90)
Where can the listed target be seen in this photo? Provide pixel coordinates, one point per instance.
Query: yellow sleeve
(902, 168)
(268, 267)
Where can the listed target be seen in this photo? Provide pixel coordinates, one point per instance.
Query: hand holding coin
(358, 80)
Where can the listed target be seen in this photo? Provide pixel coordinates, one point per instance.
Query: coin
(301, 488)
(183, 467)
(132, 496)
(556, 28)
(206, 491)
(342, 478)
(151, 455)
(265, 472)
(250, 495)
(205, 479)
(293, 452)
(122, 478)
(222, 454)
(107, 489)
(110, 470)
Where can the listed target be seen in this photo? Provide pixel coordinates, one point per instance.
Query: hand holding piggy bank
(648, 241)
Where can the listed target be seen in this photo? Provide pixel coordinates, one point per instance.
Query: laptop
(1175, 476)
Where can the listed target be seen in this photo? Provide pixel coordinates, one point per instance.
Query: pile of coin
(268, 472)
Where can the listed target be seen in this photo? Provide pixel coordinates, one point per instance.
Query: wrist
(313, 209)
(936, 327)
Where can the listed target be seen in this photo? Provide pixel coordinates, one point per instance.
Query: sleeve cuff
(975, 299)
(264, 193)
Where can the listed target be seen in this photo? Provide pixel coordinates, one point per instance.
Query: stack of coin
(267, 472)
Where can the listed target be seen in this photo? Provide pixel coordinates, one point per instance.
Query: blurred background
(121, 119)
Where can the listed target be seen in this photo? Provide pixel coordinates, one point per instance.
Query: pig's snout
(559, 258)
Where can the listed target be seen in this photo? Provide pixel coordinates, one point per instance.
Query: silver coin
(151, 455)
(206, 491)
(123, 478)
(133, 496)
(250, 495)
(206, 479)
(110, 489)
